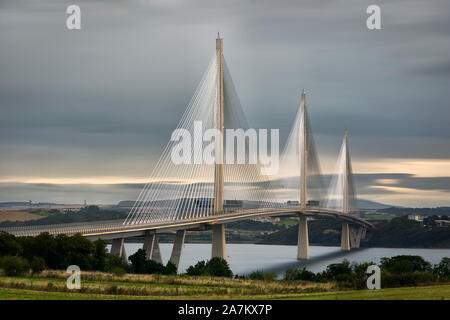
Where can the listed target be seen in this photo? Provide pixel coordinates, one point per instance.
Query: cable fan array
(186, 191)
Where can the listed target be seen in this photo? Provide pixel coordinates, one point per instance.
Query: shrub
(256, 275)
(14, 266)
(405, 279)
(261, 275)
(37, 265)
(118, 271)
(219, 267)
(442, 270)
(216, 267)
(199, 269)
(113, 261)
(297, 274)
(170, 268)
(139, 262)
(405, 264)
(9, 245)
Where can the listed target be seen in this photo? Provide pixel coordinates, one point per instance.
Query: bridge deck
(114, 229)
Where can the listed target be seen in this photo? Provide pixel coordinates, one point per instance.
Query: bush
(37, 265)
(170, 268)
(199, 269)
(406, 279)
(113, 261)
(219, 267)
(138, 261)
(9, 245)
(405, 264)
(216, 267)
(140, 264)
(14, 266)
(261, 275)
(118, 271)
(442, 270)
(297, 274)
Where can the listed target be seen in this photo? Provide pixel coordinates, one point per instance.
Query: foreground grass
(102, 286)
(407, 293)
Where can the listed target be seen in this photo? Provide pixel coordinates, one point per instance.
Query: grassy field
(18, 215)
(101, 286)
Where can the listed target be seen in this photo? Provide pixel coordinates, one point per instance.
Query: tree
(9, 245)
(199, 269)
(404, 264)
(139, 262)
(114, 262)
(14, 266)
(219, 267)
(261, 275)
(37, 265)
(100, 253)
(296, 274)
(442, 270)
(170, 268)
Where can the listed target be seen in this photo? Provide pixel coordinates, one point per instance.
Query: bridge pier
(218, 241)
(303, 239)
(345, 237)
(151, 247)
(356, 234)
(118, 248)
(177, 248)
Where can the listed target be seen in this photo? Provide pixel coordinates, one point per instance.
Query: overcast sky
(99, 104)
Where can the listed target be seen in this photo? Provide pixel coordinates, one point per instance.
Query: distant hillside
(367, 204)
(91, 213)
(397, 233)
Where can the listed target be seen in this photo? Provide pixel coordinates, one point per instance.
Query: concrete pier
(345, 237)
(177, 248)
(151, 247)
(118, 248)
(356, 234)
(303, 239)
(218, 241)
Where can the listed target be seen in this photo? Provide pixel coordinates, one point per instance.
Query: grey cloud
(119, 86)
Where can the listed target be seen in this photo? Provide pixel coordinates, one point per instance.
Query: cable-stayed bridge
(190, 192)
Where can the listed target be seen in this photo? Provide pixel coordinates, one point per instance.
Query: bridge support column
(218, 241)
(363, 233)
(118, 248)
(345, 237)
(303, 239)
(356, 236)
(177, 248)
(151, 247)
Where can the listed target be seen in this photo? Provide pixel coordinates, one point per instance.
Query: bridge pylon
(303, 239)
(218, 230)
(347, 185)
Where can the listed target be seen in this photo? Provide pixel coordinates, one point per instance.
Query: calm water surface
(245, 258)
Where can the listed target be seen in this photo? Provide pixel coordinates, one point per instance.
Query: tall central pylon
(303, 152)
(218, 230)
(218, 123)
(303, 241)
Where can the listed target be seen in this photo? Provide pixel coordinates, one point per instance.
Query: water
(245, 258)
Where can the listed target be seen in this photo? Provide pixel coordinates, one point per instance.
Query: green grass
(21, 294)
(102, 286)
(286, 223)
(406, 293)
